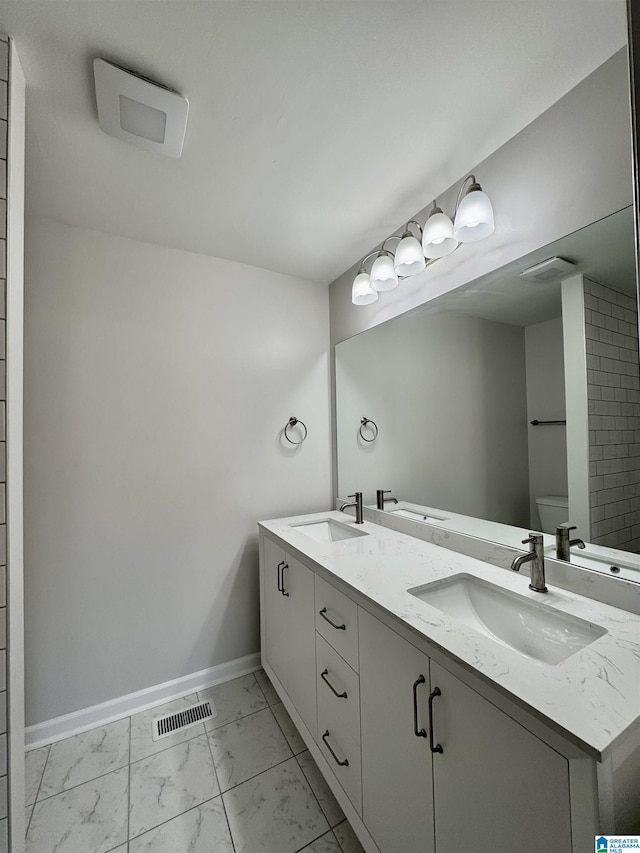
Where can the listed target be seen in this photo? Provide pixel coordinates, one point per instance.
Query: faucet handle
(566, 526)
(533, 539)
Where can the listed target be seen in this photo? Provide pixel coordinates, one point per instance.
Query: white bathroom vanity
(448, 706)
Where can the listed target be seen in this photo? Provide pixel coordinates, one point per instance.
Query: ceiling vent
(549, 269)
(139, 111)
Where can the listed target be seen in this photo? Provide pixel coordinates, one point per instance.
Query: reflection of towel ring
(291, 423)
(374, 426)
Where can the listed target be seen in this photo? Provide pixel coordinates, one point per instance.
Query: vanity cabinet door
(275, 651)
(397, 792)
(289, 629)
(496, 786)
(301, 640)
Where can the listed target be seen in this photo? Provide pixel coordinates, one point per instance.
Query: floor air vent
(192, 715)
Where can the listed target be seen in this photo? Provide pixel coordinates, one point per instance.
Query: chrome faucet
(564, 544)
(536, 558)
(381, 500)
(357, 504)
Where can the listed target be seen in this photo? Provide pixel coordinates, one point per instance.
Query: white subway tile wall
(4, 76)
(613, 392)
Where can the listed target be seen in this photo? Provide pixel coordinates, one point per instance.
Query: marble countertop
(491, 531)
(594, 557)
(593, 696)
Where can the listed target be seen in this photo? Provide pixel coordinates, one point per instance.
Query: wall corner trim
(80, 721)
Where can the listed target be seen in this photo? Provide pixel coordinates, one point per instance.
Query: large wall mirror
(513, 402)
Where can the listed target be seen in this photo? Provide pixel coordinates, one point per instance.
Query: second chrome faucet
(564, 543)
(357, 503)
(381, 500)
(536, 558)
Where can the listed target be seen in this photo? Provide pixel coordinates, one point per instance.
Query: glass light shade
(383, 274)
(437, 236)
(409, 256)
(474, 219)
(361, 292)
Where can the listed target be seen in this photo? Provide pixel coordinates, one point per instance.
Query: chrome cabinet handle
(333, 624)
(280, 565)
(283, 590)
(437, 747)
(418, 732)
(323, 676)
(344, 763)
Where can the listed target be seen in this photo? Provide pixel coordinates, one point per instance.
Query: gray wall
(157, 383)
(568, 168)
(448, 395)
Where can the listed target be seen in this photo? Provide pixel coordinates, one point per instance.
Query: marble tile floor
(242, 782)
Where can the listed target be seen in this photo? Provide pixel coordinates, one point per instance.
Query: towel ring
(291, 423)
(374, 426)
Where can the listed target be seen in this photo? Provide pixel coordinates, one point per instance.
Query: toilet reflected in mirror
(553, 510)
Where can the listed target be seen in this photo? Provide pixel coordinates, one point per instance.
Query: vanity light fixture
(473, 221)
(362, 293)
(437, 237)
(409, 258)
(383, 276)
(474, 214)
(383, 273)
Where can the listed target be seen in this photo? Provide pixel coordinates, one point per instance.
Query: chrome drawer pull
(417, 732)
(323, 676)
(280, 565)
(284, 592)
(333, 624)
(437, 747)
(344, 763)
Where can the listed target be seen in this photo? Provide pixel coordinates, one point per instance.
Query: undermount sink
(328, 530)
(531, 628)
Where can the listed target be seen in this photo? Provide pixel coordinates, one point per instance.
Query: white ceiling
(316, 126)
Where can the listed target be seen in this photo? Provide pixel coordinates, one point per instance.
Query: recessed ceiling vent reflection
(549, 269)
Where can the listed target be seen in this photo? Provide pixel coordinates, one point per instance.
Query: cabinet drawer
(337, 621)
(334, 676)
(339, 715)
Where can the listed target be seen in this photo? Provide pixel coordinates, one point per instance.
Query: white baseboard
(59, 728)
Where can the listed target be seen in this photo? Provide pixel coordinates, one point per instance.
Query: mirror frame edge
(633, 47)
